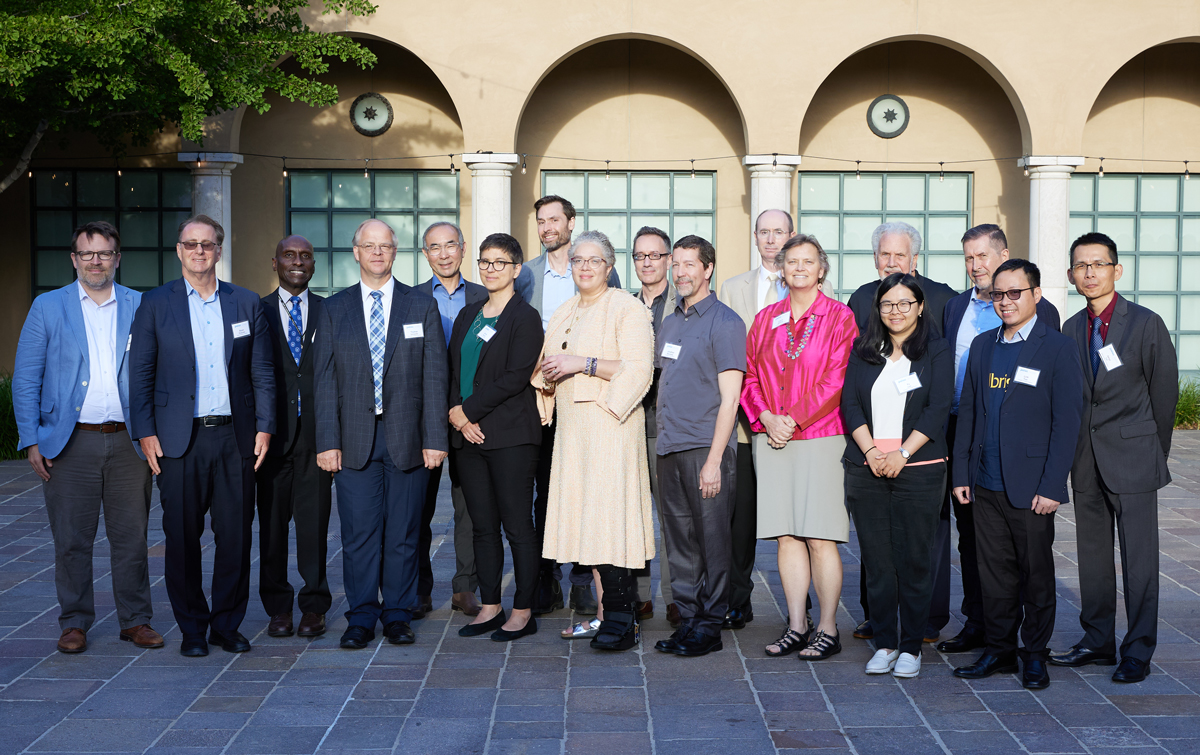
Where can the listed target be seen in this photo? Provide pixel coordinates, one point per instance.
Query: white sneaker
(907, 666)
(882, 662)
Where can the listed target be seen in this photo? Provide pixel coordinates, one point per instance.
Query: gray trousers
(98, 470)
(464, 549)
(697, 537)
(644, 588)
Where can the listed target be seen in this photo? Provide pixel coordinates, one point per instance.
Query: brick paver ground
(546, 695)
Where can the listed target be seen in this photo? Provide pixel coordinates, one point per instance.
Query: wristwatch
(904, 452)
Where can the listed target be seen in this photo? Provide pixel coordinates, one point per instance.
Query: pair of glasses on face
(104, 256)
(903, 306)
(1081, 268)
(191, 246)
(655, 256)
(1014, 294)
(500, 265)
(591, 263)
(372, 248)
(437, 250)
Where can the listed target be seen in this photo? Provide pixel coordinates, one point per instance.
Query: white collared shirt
(764, 285)
(556, 290)
(103, 400)
(1021, 335)
(285, 309)
(386, 289)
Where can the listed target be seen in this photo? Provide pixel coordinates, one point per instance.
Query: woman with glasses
(796, 355)
(596, 366)
(899, 386)
(493, 349)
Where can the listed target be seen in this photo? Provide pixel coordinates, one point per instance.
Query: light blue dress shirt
(980, 317)
(449, 304)
(556, 290)
(208, 335)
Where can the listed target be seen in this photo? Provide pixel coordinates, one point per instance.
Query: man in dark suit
(442, 245)
(290, 484)
(1130, 388)
(381, 393)
(1018, 418)
(202, 405)
(985, 248)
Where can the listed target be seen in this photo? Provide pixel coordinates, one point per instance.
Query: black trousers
(464, 552)
(1136, 517)
(1016, 573)
(896, 520)
(743, 529)
(581, 575)
(212, 477)
(968, 553)
(293, 488)
(497, 484)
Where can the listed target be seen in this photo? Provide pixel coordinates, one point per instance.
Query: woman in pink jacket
(796, 355)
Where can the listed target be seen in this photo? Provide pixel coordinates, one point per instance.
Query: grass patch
(8, 420)
(1187, 411)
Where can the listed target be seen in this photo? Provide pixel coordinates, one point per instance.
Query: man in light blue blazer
(71, 400)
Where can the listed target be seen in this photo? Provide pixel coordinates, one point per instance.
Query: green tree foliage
(122, 70)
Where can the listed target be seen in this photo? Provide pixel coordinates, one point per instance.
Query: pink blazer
(808, 388)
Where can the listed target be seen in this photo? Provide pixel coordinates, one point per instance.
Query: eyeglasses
(1081, 268)
(370, 248)
(104, 256)
(500, 265)
(902, 306)
(655, 256)
(776, 232)
(191, 246)
(437, 250)
(593, 263)
(1014, 294)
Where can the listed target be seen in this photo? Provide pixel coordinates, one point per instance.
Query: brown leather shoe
(644, 610)
(73, 640)
(311, 624)
(142, 636)
(281, 625)
(465, 602)
(673, 617)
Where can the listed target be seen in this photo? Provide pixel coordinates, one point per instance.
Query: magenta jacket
(808, 388)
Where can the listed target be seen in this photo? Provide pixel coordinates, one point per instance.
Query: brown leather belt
(103, 427)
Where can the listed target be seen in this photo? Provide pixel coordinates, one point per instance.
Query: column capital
(211, 161)
(1050, 164)
(771, 163)
(481, 159)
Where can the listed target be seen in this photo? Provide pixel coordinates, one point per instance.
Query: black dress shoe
(230, 642)
(738, 618)
(864, 631)
(988, 665)
(698, 643)
(399, 633)
(503, 635)
(965, 641)
(424, 606)
(582, 601)
(549, 595)
(670, 644)
(1035, 675)
(356, 638)
(1081, 656)
(193, 647)
(618, 631)
(1131, 670)
(483, 627)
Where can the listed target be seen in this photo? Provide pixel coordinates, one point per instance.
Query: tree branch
(26, 155)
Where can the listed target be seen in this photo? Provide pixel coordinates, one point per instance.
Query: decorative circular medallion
(887, 116)
(371, 114)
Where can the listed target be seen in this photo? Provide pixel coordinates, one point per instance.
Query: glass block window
(1155, 221)
(325, 206)
(842, 210)
(146, 206)
(618, 204)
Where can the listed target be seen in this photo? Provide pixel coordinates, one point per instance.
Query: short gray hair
(799, 240)
(358, 231)
(897, 228)
(600, 240)
(441, 224)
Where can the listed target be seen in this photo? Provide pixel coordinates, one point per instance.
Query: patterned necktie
(1097, 344)
(294, 329)
(772, 289)
(377, 342)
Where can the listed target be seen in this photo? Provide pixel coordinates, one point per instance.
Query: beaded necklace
(793, 351)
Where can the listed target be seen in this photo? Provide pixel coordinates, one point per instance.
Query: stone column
(770, 189)
(491, 199)
(211, 196)
(1049, 219)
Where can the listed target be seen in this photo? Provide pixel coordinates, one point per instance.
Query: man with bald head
(291, 487)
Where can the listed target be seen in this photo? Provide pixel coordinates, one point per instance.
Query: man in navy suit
(382, 389)
(71, 401)
(202, 405)
(1018, 422)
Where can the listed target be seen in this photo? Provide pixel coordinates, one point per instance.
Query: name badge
(486, 332)
(129, 343)
(241, 329)
(909, 382)
(782, 319)
(1027, 376)
(414, 330)
(1108, 355)
(671, 351)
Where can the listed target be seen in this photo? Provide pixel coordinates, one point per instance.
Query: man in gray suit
(381, 393)
(1130, 386)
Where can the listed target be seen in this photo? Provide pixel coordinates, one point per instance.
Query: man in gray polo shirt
(701, 352)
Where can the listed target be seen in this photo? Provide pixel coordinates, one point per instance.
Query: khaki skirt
(800, 489)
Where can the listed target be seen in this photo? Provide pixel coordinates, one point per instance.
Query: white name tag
(1027, 376)
(909, 382)
(782, 319)
(671, 351)
(241, 329)
(1108, 355)
(414, 330)
(129, 343)
(486, 332)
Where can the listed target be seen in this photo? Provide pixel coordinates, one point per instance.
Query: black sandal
(790, 642)
(825, 645)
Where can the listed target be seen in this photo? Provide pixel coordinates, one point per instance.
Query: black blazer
(936, 296)
(292, 378)
(925, 409)
(502, 400)
(956, 309)
(1129, 413)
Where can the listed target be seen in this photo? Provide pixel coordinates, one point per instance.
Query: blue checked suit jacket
(415, 380)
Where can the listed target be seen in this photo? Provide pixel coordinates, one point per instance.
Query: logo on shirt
(998, 382)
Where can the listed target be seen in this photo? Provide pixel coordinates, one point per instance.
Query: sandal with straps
(790, 642)
(825, 645)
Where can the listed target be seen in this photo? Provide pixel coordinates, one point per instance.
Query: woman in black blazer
(494, 348)
(896, 398)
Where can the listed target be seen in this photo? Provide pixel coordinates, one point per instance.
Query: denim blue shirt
(449, 304)
(208, 335)
(980, 317)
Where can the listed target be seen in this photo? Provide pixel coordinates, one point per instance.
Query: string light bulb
(452, 168)
(774, 160)
(693, 168)
(522, 164)
(857, 172)
(606, 174)
(1187, 175)
(1026, 161)
(366, 166)
(1101, 168)
(285, 167)
(942, 172)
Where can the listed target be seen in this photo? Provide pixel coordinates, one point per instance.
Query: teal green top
(471, 347)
